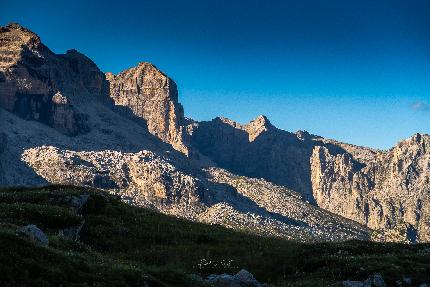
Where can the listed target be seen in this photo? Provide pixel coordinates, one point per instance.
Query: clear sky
(356, 71)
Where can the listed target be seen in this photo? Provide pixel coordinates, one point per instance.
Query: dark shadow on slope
(275, 155)
(225, 193)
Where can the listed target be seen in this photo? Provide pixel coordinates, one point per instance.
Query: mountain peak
(150, 94)
(17, 29)
(15, 41)
(261, 119)
(145, 64)
(257, 126)
(120, 128)
(17, 26)
(417, 138)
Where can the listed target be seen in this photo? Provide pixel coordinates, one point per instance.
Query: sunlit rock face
(153, 180)
(391, 193)
(153, 96)
(215, 197)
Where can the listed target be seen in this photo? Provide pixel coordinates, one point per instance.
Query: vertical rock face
(258, 126)
(17, 41)
(258, 149)
(37, 84)
(153, 96)
(63, 116)
(338, 184)
(21, 52)
(390, 193)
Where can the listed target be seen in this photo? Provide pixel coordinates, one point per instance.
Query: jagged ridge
(127, 133)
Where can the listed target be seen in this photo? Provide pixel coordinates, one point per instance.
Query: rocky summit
(63, 121)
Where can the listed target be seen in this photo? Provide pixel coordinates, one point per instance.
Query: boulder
(35, 234)
(374, 280)
(242, 279)
(246, 278)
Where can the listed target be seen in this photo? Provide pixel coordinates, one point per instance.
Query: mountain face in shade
(64, 121)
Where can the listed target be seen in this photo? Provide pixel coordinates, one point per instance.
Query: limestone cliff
(37, 84)
(63, 121)
(153, 96)
(258, 149)
(105, 142)
(387, 191)
(390, 193)
(57, 90)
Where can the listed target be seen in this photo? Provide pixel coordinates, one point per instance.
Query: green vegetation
(122, 245)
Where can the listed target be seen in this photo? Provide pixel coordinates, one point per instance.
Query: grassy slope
(124, 245)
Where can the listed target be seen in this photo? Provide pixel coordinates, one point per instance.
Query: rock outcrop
(60, 90)
(255, 150)
(258, 149)
(37, 84)
(241, 279)
(33, 233)
(391, 193)
(153, 96)
(219, 197)
(155, 179)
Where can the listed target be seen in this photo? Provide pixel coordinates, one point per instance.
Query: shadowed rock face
(39, 85)
(260, 150)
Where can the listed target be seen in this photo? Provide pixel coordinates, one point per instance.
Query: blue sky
(355, 71)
